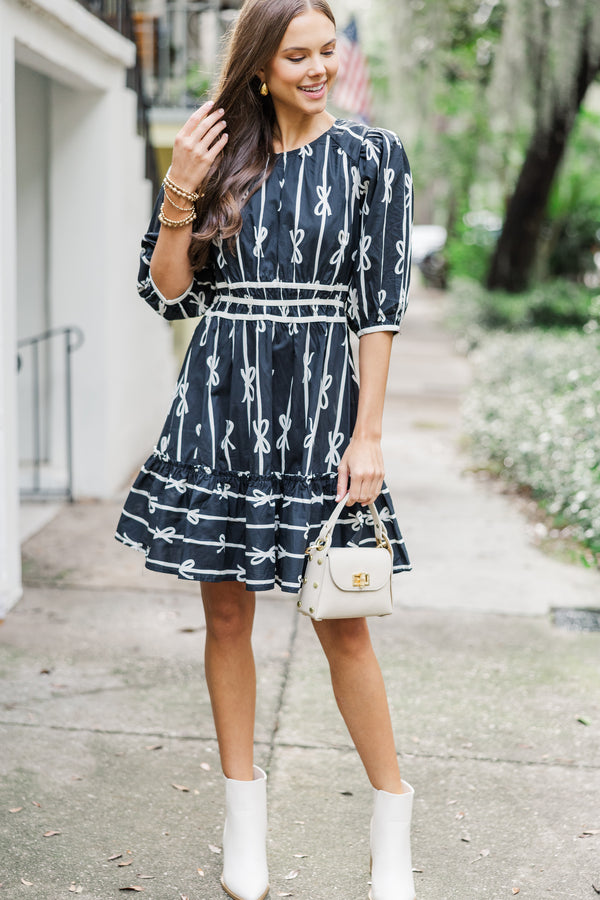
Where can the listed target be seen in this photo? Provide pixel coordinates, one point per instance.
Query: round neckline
(309, 143)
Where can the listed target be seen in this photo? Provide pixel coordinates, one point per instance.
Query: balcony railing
(118, 14)
(178, 41)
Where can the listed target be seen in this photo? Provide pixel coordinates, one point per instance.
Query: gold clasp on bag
(361, 580)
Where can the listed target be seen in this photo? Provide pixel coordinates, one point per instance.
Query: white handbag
(347, 582)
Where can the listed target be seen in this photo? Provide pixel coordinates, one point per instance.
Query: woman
(283, 228)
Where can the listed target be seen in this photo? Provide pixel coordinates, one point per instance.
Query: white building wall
(98, 208)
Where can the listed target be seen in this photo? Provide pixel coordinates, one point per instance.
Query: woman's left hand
(362, 463)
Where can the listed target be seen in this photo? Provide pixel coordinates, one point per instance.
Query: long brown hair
(250, 117)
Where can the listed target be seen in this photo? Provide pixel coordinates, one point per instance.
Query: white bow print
(248, 374)
(179, 485)
(260, 235)
(343, 240)
(358, 187)
(187, 569)
(333, 458)
(323, 208)
(325, 385)
(407, 190)
(389, 176)
(221, 257)
(400, 264)
(226, 443)
(307, 359)
(259, 498)
(364, 263)
(213, 376)
(182, 406)
(223, 491)
(370, 149)
(358, 520)
(165, 534)
(261, 556)
(297, 236)
(286, 424)
(260, 430)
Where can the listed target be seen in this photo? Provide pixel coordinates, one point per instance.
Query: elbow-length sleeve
(379, 293)
(194, 301)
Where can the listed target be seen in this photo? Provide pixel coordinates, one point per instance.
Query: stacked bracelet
(192, 196)
(175, 223)
(187, 209)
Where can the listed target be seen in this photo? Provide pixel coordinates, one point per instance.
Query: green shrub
(553, 304)
(533, 416)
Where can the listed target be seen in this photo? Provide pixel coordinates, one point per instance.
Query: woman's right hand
(197, 145)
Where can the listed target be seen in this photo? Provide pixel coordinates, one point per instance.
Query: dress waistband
(279, 309)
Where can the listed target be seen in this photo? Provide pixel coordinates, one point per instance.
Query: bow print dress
(244, 472)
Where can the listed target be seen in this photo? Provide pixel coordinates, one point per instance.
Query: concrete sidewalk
(110, 774)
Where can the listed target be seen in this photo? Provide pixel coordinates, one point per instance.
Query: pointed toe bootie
(391, 864)
(245, 875)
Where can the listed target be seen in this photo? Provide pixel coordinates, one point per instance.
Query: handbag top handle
(380, 529)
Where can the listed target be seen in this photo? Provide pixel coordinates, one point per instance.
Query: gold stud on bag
(347, 582)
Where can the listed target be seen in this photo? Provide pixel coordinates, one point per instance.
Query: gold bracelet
(175, 223)
(172, 202)
(180, 192)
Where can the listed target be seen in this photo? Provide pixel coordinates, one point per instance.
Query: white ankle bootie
(391, 864)
(245, 875)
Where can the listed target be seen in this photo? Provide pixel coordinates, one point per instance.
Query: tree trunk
(515, 251)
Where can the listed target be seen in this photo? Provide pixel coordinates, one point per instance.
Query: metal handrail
(73, 339)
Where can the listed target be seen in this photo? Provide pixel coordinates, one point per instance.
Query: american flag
(353, 87)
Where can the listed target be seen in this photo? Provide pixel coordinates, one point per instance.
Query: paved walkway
(107, 737)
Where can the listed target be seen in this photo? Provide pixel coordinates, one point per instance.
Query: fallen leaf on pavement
(28, 883)
(584, 720)
(155, 747)
(133, 887)
(588, 832)
(15, 809)
(285, 894)
(300, 855)
(516, 890)
(180, 787)
(115, 856)
(293, 874)
(76, 888)
(597, 887)
(214, 849)
(35, 803)
(51, 833)
(126, 862)
(205, 766)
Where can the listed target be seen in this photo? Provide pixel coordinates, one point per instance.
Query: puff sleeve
(194, 301)
(381, 273)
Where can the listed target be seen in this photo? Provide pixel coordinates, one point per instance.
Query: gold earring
(264, 89)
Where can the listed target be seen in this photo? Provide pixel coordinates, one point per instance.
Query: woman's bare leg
(230, 673)
(360, 694)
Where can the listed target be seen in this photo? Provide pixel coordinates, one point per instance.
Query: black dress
(244, 472)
